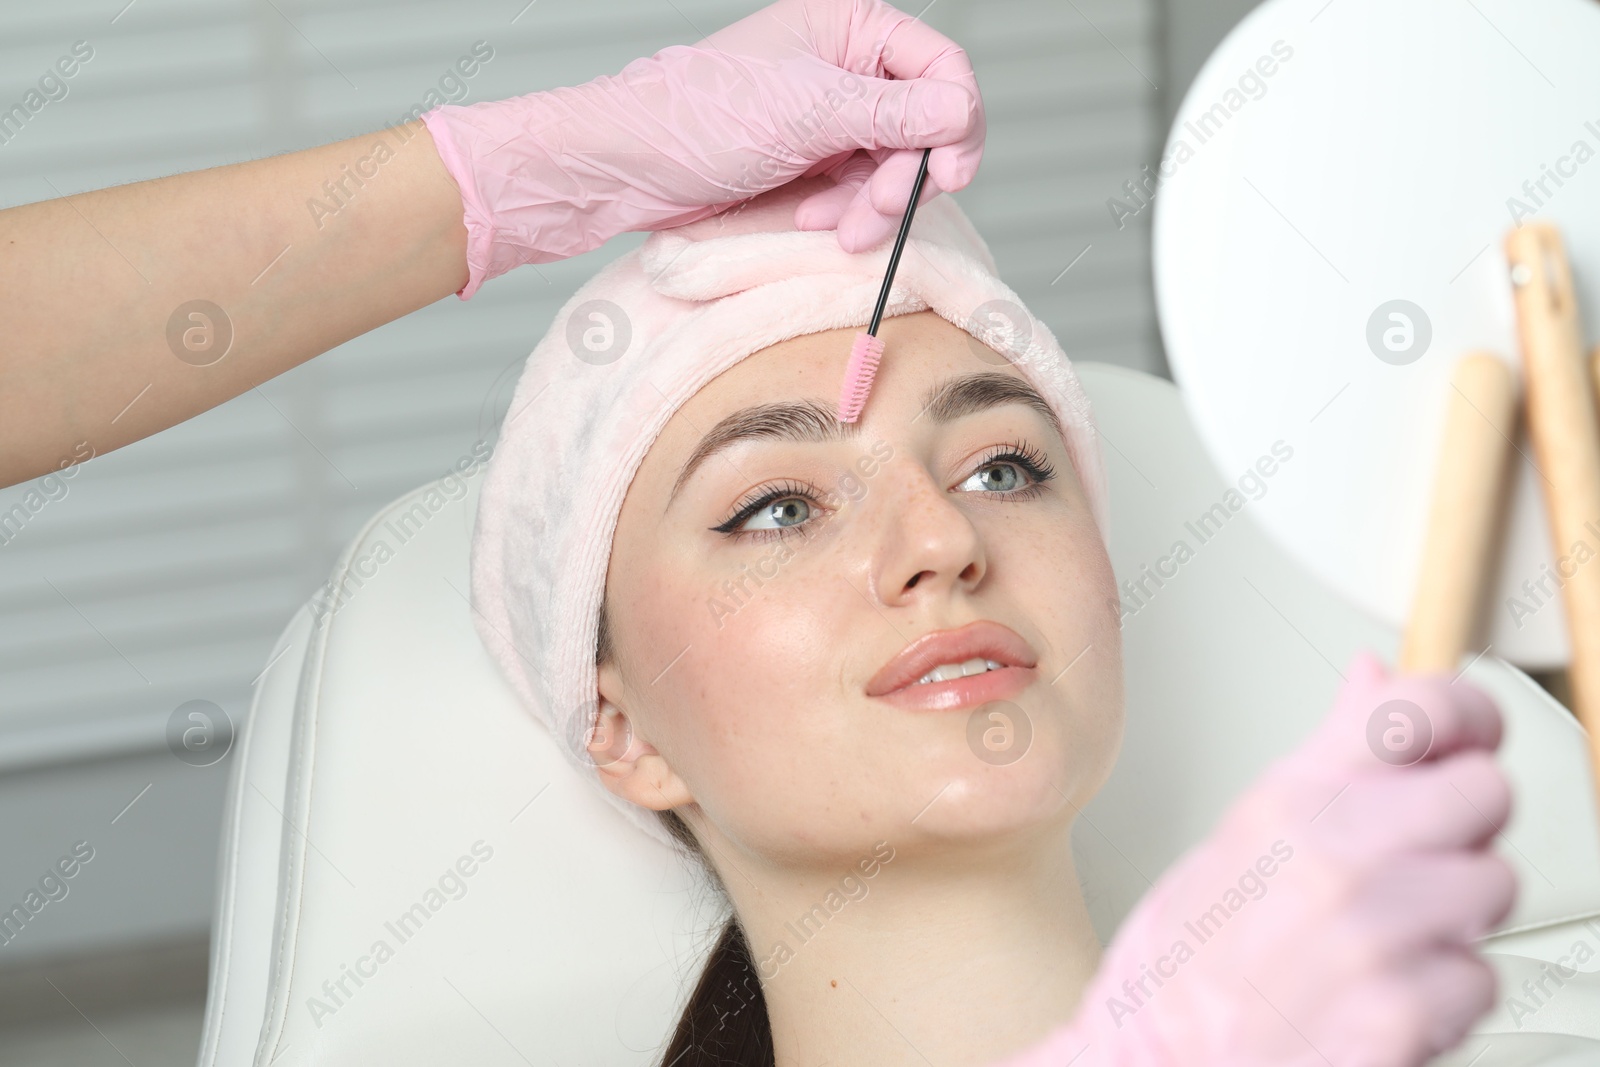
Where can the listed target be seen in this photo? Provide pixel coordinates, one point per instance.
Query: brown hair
(725, 1022)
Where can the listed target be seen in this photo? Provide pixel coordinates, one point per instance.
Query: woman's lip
(957, 694)
(983, 639)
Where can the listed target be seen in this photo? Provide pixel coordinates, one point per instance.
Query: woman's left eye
(1017, 468)
(997, 477)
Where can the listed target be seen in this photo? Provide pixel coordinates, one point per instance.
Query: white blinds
(167, 568)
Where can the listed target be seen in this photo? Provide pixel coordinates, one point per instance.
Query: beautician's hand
(128, 310)
(845, 87)
(1328, 920)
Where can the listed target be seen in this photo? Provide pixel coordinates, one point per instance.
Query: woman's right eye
(779, 515)
(771, 511)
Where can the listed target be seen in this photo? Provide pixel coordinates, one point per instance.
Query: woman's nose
(928, 546)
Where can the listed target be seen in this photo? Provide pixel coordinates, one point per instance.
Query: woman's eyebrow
(814, 420)
(954, 397)
(797, 420)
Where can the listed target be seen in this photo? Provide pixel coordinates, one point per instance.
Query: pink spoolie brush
(868, 350)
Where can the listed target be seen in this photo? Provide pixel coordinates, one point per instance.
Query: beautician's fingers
(1420, 903)
(822, 211)
(845, 208)
(1456, 803)
(1379, 720)
(913, 49)
(1456, 987)
(871, 198)
(873, 39)
(1458, 715)
(892, 85)
(1410, 1014)
(879, 205)
(889, 114)
(891, 184)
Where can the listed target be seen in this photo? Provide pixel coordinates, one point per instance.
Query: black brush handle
(899, 245)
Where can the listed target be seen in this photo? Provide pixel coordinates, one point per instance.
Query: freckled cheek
(1054, 569)
(1081, 588)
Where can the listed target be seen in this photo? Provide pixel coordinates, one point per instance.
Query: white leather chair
(412, 875)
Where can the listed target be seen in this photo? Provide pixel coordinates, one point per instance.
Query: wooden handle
(1566, 439)
(1464, 516)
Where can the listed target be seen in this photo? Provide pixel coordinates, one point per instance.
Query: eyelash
(1028, 459)
(759, 498)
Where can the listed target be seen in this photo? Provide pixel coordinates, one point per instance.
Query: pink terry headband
(635, 343)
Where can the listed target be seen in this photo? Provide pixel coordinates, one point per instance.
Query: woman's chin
(984, 804)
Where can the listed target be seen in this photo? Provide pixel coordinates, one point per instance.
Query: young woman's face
(779, 583)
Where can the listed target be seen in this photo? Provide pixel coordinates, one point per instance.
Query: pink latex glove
(1348, 888)
(844, 87)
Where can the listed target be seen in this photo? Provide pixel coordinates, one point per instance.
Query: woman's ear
(629, 766)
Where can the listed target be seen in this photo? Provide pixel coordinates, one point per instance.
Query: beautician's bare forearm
(90, 284)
